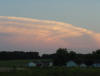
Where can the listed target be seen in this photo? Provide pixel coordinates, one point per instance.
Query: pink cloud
(33, 33)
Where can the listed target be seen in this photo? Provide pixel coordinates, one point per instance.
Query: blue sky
(82, 13)
(26, 33)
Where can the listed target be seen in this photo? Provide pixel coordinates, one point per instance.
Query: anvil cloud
(27, 33)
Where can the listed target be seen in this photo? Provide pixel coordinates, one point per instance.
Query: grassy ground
(11, 63)
(21, 63)
(54, 71)
(49, 71)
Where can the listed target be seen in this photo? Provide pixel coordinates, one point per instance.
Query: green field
(44, 71)
(11, 63)
(54, 71)
(17, 63)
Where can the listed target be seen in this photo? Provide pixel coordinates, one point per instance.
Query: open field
(53, 71)
(13, 63)
(17, 63)
(16, 68)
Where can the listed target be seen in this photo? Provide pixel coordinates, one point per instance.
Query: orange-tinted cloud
(16, 32)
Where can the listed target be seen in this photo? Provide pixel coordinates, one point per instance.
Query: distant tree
(72, 55)
(47, 56)
(61, 57)
(96, 55)
(5, 55)
(97, 52)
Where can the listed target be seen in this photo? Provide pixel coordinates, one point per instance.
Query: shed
(71, 64)
(96, 65)
(83, 65)
(50, 64)
(46, 64)
(32, 64)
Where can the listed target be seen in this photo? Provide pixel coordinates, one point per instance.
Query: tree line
(18, 55)
(61, 56)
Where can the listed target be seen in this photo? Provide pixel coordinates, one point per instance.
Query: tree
(72, 55)
(61, 57)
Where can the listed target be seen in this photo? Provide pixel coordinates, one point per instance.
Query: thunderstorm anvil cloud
(27, 33)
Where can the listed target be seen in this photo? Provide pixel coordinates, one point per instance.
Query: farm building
(40, 64)
(32, 64)
(46, 64)
(83, 65)
(71, 64)
(50, 64)
(96, 64)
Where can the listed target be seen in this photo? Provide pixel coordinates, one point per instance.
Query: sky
(67, 16)
(83, 13)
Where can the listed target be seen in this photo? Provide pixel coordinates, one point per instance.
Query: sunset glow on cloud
(25, 33)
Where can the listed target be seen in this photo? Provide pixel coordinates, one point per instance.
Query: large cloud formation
(27, 33)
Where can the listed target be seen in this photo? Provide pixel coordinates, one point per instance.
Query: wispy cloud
(33, 33)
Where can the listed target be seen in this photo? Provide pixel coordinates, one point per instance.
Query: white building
(71, 64)
(96, 65)
(50, 64)
(40, 64)
(83, 65)
(46, 64)
(32, 64)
